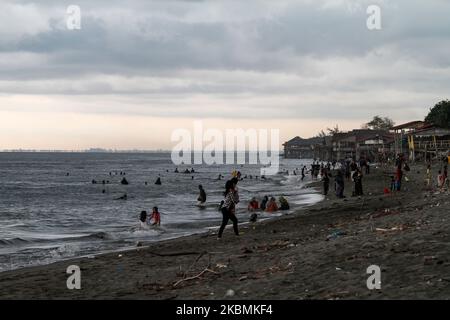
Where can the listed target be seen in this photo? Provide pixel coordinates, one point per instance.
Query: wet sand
(293, 257)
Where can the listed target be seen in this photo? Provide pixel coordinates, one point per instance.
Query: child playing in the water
(156, 217)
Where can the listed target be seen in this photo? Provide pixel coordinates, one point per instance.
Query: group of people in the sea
(268, 204)
(150, 220)
(227, 207)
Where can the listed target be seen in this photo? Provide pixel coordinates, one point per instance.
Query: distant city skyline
(138, 70)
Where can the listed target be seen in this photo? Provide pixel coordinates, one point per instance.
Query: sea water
(50, 210)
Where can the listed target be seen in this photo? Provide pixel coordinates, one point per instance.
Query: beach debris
(427, 260)
(230, 293)
(176, 254)
(221, 265)
(247, 250)
(335, 235)
(398, 228)
(243, 278)
(274, 245)
(383, 213)
(194, 277)
(119, 256)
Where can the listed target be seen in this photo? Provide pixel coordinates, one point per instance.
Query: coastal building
(422, 141)
(358, 143)
(371, 144)
(299, 148)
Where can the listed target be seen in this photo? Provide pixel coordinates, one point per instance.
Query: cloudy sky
(137, 70)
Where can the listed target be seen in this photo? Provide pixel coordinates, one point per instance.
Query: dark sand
(288, 258)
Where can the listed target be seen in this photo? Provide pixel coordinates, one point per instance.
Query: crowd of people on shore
(344, 171)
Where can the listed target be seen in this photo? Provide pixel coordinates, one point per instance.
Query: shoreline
(319, 252)
(212, 229)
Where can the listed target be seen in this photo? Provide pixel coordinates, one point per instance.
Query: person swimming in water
(124, 181)
(124, 197)
(272, 205)
(284, 204)
(156, 217)
(253, 205)
(158, 181)
(143, 220)
(202, 197)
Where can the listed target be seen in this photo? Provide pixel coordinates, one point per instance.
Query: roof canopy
(409, 125)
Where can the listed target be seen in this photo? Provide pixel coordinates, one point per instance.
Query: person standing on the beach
(326, 182)
(347, 170)
(202, 197)
(440, 180)
(339, 184)
(398, 178)
(303, 172)
(353, 168)
(357, 178)
(428, 176)
(229, 208)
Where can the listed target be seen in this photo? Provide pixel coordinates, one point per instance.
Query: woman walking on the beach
(339, 185)
(229, 207)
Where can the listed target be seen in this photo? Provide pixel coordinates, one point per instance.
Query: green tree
(439, 115)
(379, 123)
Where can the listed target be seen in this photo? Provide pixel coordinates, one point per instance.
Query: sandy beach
(321, 252)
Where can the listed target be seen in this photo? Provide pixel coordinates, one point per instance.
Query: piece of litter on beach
(120, 256)
(338, 269)
(221, 265)
(230, 293)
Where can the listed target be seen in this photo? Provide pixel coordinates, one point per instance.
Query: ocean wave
(13, 241)
(24, 241)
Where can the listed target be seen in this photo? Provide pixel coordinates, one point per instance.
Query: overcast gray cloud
(255, 58)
